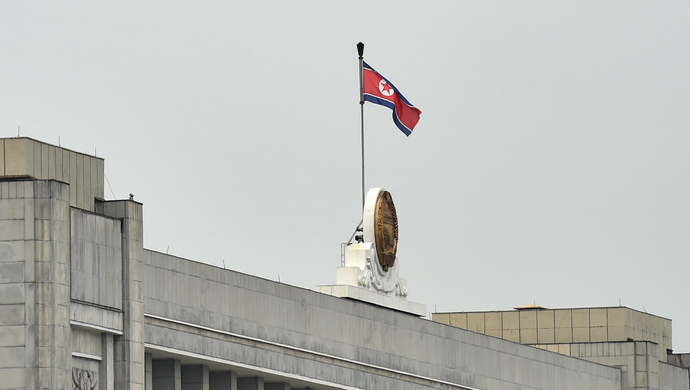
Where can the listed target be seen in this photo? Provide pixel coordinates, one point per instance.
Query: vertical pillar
(129, 348)
(19, 322)
(107, 377)
(50, 233)
(149, 371)
(222, 380)
(250, 383)
(195, 377)
(646, 365)
(166, 375)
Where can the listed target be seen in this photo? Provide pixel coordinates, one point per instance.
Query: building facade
(637, 343)
(83, 305)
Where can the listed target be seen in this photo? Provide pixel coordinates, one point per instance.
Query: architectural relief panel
(84, 379)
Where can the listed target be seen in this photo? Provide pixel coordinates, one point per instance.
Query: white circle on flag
(385, 92)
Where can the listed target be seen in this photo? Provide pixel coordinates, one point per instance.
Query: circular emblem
(383, 90)
(385, 229)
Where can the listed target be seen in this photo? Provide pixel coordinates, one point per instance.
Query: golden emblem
(385, 230)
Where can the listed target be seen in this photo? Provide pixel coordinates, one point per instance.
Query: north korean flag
(377, 89)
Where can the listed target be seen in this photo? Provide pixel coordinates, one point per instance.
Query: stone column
(129, 348)
(32, 266)
(149, 371)
(48, 229)
(646, 366)
(107, 377)
(222, 380)
(195, 377)
(166, 375)
(250, 383)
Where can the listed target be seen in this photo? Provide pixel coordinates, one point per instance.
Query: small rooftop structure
(25, 158)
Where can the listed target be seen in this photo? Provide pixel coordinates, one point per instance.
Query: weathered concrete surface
(129, 348)
(28, 157)
(34, 286)
(672, 377)
(274, 326)
(79, 294)
(96, 259)
(566, 326)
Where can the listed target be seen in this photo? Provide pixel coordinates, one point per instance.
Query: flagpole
(360, 51)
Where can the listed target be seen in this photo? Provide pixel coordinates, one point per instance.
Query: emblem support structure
(371, 268)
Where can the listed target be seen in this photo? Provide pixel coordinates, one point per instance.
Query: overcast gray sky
(550, 164)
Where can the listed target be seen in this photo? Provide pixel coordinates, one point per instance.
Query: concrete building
(83, 305)
(637, 343)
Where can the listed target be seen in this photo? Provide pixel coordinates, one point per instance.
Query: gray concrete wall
(673, 378)
(46, 338)
(28, 157)
(52, 243)
(261, 323)
(35, 348)
(87, 343)
(640, 359)
(17, 285)
(642, 368)
(96, 259)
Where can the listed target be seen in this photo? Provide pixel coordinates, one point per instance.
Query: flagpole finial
(360, 50)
